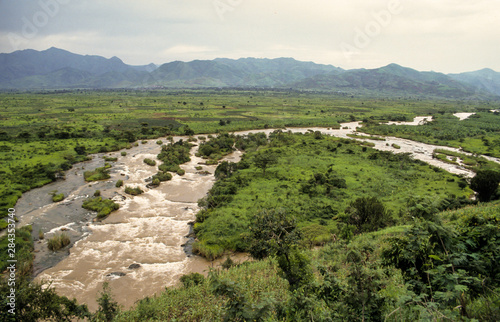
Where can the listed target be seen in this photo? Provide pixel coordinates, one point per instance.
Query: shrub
(58, 241)
(97, 174)
(110, 159)
(119, 183)
(209, 251)
(485, 183)
(133, 191)
(181, 172)
(57, 197)
(103, 207)
(192, 279)
(163, 176)
(123, 153)
(150, 162)
(97, 193)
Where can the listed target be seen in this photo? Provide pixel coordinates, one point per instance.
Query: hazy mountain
(50, 68)
(244, 72)
(485, 79)
(392, 79)
(56, 68)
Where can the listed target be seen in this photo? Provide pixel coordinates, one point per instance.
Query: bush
(162, 176)
(133, 191)
(119, 183)
(103, 207)
(485, 183)
(58, 197)
(192, 279)
(181, 172)
(150, 162)
(123, 153)
(210, 252)
(57, 242)
(97, 174)
(368, 214)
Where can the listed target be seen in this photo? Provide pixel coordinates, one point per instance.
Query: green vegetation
(335, 183)
(103, 207)
(110, 159)
(217, 147)
(150, 162)
(58, 242)
(43, 134)
(479, 134)
(98, 174)
(133, 191)
(172, 155)
(443, 268)
(24, 250)
(485, 183)
(388, 252)
(56, 197)
(119, 183)
(34, 301)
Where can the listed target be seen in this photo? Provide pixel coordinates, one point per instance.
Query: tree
(485, 183)
(225, 170)
(274, 233)
(264, 159)
(80, 149)
(108, 307)
(368, 214)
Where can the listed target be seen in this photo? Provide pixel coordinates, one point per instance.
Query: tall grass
(58, 242)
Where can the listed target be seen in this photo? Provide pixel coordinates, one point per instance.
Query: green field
(390, 235)
(42, 134)
(315, 179)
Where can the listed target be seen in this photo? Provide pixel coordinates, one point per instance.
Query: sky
(449, 36)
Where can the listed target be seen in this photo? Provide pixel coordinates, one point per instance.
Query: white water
(463, 116)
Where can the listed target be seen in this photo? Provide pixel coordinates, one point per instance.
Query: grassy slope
(261, 279)
(392, 179)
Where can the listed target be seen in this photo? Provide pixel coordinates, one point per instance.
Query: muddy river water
(139, 248)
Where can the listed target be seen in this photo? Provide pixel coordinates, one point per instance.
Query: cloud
(445, 35)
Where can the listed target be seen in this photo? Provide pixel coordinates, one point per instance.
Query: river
(139, 248)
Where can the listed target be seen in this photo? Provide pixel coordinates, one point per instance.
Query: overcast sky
(440, 35)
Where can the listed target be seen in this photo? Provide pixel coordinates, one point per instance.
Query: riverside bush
(57, 242)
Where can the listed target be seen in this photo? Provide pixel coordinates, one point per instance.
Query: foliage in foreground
(440, 269)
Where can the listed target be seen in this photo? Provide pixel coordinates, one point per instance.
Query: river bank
(139, 248)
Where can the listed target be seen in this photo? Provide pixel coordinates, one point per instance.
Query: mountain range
(59, 69)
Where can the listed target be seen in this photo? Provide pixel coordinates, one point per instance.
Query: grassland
(361, 279)
(43, 134)
(315, 179)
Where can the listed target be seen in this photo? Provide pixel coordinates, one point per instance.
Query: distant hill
(392, 79)
(244, 72)
(485, 79)
(56, 68)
